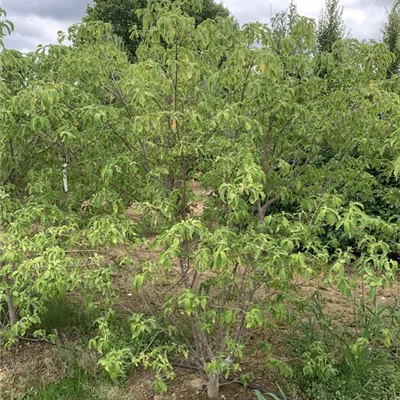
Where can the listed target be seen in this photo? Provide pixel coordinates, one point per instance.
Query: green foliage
(133, 342)
(123, 16)
(269, 395)
(75, 386)
(64, 315)
(285, 28)
(382, 382)
(391, 37)
(331, 27)
(339, 362)
(6, 27)
(317, 363)
(285, 164)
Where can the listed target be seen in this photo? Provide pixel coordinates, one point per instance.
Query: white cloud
(33, 30)
(37, 21)
(311, 8)
(364, 18)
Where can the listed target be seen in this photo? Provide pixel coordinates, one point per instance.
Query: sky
(38, 21)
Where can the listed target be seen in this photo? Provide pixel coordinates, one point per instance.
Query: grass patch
(79, 385)
(348, 361)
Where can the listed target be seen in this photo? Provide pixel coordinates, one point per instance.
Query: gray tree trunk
(212, 385)
(12, 310)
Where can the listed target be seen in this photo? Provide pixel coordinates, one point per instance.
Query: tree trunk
(12, 310)
(212, 386)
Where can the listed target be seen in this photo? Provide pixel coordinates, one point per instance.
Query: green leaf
(138, 282)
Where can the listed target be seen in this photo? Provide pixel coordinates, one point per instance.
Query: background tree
(391, 37)
(121, 14)
(330, 25)
(283, 23)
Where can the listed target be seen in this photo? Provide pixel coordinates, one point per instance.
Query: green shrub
(338, 363)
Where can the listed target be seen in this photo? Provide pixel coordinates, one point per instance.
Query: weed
(76, 386)
(270, 395)
(339, 363)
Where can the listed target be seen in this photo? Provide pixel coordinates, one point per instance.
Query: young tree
(283, 159)
(271, 154)
(391, 37)
(330, 26)
(122, 14)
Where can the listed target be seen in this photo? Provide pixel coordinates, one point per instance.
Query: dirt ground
(33, 364)
(187, 385)
(37, 364)
(29, 364)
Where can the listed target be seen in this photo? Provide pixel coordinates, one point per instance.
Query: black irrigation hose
(259, 388)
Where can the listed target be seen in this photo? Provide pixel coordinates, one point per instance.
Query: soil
(33, 364)
(187, 385)
(37, 364)
(29, 364)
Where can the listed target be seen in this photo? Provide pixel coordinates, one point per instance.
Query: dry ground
(35, 364)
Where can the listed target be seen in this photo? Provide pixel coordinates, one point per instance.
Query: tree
(289, 24)
(391, 37)
(122, 14)
(283, 23)
(330, 26)
(282, 159)
(221, 124)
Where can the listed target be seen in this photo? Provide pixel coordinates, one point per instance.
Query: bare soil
(34, 364)
(29, 364)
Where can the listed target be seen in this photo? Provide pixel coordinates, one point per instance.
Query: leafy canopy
(331, 27)
(250, 169)
(391, 37)
(122, 15)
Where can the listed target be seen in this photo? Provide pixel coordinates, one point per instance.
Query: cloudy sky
(37, 21)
